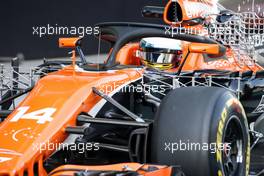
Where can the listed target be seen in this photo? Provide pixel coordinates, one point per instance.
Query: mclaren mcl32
(185, 97)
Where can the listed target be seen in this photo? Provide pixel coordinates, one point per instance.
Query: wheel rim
(234, 147)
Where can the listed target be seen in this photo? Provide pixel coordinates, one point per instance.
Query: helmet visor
(158, 58)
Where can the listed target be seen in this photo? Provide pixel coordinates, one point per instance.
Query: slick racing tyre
(204, 130)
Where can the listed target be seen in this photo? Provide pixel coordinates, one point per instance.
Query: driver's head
(160, 53)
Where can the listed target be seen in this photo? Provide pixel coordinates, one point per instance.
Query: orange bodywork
(68, 93)
(139, 168)
(204, 48)
(127, 55)
(68, 42)
(229, 62)
(190, 9)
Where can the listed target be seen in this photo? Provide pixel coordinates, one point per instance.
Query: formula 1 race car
(181, 98)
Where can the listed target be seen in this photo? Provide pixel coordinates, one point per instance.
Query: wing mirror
(75, 44)
(224, 16)
(204, 48)
(72, 42)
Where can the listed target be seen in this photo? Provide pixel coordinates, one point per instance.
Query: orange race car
(181, 98)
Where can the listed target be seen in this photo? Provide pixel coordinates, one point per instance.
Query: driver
(160, 53)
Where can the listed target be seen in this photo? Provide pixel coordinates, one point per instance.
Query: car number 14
(42, 116)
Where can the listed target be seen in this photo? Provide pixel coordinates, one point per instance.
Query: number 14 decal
(42, 116)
